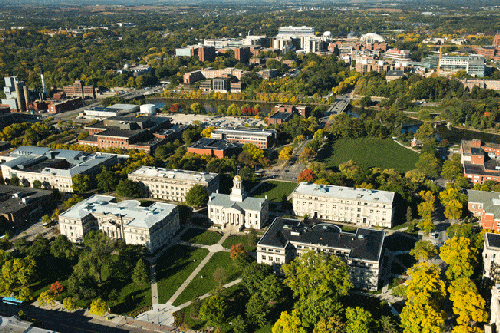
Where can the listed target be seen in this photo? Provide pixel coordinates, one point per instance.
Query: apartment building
(153, 226)
(237, 211)
(174, 184)
(213, 147)
(77, 89)
(481, 161)
(54, 168)
(360, 206)
(287, 239)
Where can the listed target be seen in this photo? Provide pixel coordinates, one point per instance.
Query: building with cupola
(236, 211)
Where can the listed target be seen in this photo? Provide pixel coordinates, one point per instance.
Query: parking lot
(217, 121)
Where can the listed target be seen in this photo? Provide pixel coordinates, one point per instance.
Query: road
(290, 170)
(76, 322)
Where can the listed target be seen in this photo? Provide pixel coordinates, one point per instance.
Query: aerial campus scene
(269, 167)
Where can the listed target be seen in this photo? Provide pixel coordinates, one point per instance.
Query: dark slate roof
(208, 143)
(477, 169)
(9, 204)
(476, 151)
(364, 244)
(394, 73)
(493, 240)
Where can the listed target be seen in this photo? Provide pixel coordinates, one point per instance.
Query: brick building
(213, 147)
(206, 53)
(79, 90)
(283, 113)
(486, 207)
(21, 205)
(481, 161)
(66, 105)
(242, 54)
(259, 137)
(126, 133)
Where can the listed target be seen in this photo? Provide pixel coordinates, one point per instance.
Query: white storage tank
(148, 109)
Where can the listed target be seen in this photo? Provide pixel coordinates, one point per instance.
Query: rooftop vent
(361, 236)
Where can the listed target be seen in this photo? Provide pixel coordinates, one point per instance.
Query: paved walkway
(162, 314)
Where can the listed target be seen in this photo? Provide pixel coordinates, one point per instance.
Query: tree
(91, 262)
(468, 304)
(107, 180)
(387, 325)
(236, 250)
(423, 250)
(47, 297)
(239, 325)
(56, 288)
(286, 153)
(425, 290)
(14, 181)
(425, 131)
(425, 209)
(220, 275)
(197, 196)
(129, 189)
(61, 247)
(453, 201)
(358, 320)
(81, 183)
(452, 168)
(140, 275)
(318, 280)
(350, 169)
(461, 257)
(330, 325)
(428, 164)
(213, 311)
(288, 323)
(98, 307)
(207, 132)
(69, 303)
(307, 175)
(37, 183)
(16, 275)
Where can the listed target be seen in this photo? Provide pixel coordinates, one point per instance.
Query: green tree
(47, 298)
(107, 180)
(358, 320)
(238, 324)
(91, 263)
(129, 189)
(82, 183)
(423, 250)
(14, 181)
(140, 275)
(69, 303)
(37, 183)
(425, 131)
(61, 247)
(461, 257)
(98, 307)
(330, 325)
(197, 196)
(428, 164)
(319, 281)
(453, 201)
(214, 311)
(452, 168)
(426, 209)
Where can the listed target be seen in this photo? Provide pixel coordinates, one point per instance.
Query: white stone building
(173, 184)
(491, 256)
(360, 206)
(287, 239)
(53, 168)
(237, 211)
(153, 226)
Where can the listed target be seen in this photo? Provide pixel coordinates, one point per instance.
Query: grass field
(274, 190)
(238, 240)
(204, 282)
(200, 236)
(174, 267)
(369, 152)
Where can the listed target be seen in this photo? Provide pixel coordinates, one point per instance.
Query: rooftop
(131, 211)
(281, 115)
(361, 194)
(245, 130)
(11, 197)
(364, 244)
(248, 203)
(148, 171)
(208, 143)
(492, 240)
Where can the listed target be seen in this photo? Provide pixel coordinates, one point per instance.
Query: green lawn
(274, 190)
(174, 267)
(204, 282)
(132, 297)
(200, 236)
(369, 152)
(238, 240)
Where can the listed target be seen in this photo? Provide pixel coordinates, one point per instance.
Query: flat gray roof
(350, 193)
(140, 217)
(149, 171)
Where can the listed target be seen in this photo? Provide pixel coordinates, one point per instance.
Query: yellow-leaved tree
(461, 257)
(425, 291)
(468, 304)
(288, 323)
